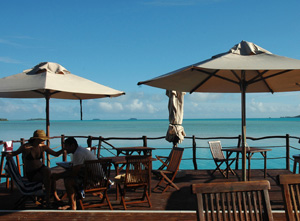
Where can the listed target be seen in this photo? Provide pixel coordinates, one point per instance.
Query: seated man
(73, 178)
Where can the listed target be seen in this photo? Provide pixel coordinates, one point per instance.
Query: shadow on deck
(171, 205)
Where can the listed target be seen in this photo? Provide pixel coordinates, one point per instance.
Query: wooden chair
(29, 190)
(219, 158)
(245, 200)
(290, 185)
(137, 177)
(172, 163)
(96, 183)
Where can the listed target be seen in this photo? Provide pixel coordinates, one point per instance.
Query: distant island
(3, 119)
(132, 118)
(36, 119)
(298, 116)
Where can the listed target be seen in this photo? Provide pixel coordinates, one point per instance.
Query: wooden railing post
(287, 141)
(89, 141)
(62, 142)
(194, 153)
(99, 147)
(145, 141)
(237, 154)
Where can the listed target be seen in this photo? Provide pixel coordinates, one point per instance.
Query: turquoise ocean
(203, 128)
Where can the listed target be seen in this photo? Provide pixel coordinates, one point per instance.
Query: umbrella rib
(264, 78)
(39, 92)
(260, 76)
(211, 75)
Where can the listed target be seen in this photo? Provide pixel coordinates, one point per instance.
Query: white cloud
(110, 106)
(136, 105)
(9, 60)
(200, 97)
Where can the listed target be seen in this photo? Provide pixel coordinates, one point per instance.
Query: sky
(119, 43)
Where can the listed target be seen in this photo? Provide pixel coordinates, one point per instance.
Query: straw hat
(39, 134)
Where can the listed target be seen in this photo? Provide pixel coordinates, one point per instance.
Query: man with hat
(33, 151)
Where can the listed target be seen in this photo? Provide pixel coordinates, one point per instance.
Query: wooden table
(249, 153)
(130, 150)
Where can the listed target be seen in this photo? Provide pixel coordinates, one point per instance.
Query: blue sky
(118, 43)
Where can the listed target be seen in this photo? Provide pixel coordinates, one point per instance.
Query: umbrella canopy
(175, 133)
(246, 67)
(51, 80)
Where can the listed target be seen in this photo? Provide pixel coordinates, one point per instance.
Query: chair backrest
(97, 173)
(245, 200)
(216, 150)
(290, 185)
(137, 170)
(24, 186)
(175, 159)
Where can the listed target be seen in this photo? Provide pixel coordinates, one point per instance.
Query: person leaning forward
(33, 152)
(73, 178)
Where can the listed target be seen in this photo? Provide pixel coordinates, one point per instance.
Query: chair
(96, 183)
(290, 185)
(172, 163)
(28, 189)
(137, 176)
(219, 158)
(245, 200)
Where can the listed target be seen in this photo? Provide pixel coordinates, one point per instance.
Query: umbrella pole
(47, 96)
(80, 109)
(243, 102)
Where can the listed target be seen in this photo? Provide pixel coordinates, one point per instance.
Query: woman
(33, 152)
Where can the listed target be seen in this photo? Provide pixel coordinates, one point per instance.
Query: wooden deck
(172, 205)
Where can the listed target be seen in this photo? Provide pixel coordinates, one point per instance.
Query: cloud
(110, 106)
(6, 42)
(200, 97)
(136, 105)
(9, 60)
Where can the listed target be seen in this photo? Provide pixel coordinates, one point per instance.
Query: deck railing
(101, 145)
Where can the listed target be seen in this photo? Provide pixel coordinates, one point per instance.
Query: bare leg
(71, 191)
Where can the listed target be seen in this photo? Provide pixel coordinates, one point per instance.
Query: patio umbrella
(175, 133)
(246, 67)
(51, 80)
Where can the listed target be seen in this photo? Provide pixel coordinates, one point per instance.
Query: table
(130, 150)
(249, 153)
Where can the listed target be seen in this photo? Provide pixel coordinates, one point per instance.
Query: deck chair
(245, 200)
(96, 183)
(168, 175)
(290, 185)
(137, 176)
(219, 158)
(29, 190)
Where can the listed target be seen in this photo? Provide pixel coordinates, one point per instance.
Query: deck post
(99, 146)
(194, 153)
(62, 142)
(145, 141)
(287, 141)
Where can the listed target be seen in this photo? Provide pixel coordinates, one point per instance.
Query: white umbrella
(246, 67)
(175, 133)
(51, 80)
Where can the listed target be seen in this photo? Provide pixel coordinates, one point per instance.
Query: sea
(200, 128)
